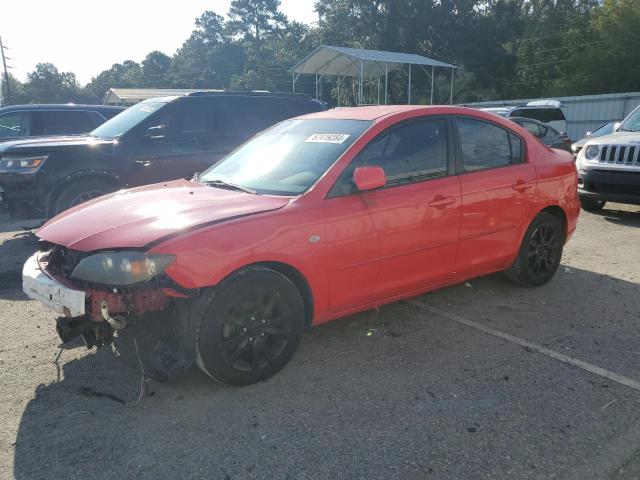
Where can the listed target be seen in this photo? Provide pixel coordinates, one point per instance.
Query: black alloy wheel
(248, 327)
(540, 252)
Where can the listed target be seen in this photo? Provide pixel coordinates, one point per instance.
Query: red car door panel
(410, 226)
(496, 201)
(351, 251)
(418, 234)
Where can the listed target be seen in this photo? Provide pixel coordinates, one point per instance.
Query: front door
(409, 228)
(190, 138)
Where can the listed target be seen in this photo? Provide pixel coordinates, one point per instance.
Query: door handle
(521, 186)
(441, 201)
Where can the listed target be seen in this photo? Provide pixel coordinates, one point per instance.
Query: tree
(155, 69)
(47, 84)
(255, 20)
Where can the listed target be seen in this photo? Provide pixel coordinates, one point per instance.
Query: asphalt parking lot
(480, 380)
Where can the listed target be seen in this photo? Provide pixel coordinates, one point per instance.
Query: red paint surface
(374, 248)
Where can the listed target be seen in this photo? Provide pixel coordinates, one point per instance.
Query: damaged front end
(98, 293)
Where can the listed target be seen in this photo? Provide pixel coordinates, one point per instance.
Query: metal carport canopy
(357, 62)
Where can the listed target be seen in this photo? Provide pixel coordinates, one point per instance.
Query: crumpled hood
(616, 138)
(137, 217)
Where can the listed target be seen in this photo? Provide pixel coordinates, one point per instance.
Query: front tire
(591, 205)
(248, 327)
(540, 252)
(81, 191)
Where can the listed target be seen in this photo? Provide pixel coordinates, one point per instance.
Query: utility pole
(6, 73)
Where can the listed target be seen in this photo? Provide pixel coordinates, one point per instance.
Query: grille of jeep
(620, 154)
(63, 260)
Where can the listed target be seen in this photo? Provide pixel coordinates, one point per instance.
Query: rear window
(63, 122)
(544, 115)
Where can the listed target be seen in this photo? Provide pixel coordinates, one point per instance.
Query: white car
(609, 166)
(546, 111)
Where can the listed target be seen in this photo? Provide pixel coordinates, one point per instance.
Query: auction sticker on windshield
(327, 138)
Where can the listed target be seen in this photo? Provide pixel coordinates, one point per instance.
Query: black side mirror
(156, 132)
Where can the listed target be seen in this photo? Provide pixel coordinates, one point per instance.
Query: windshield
(605, 129)
(288, 158)
(632, 122)
(125, 121)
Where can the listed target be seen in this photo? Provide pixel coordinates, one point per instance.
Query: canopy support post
(433, 71)
(338, 90)
(316, 86)
(451, 92)
(409, 94)
(386, 82)
(378, 90)
(361, 93)
(293, 83)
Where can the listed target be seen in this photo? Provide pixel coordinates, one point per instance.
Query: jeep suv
(20, 121)
(156, 140)
(609, 166)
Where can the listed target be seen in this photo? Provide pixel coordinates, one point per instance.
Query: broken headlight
(121, 268)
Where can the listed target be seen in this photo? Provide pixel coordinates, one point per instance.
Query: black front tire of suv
(591, 205)
(80, 191)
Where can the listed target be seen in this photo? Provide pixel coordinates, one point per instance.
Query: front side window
(15, 124)
(288, 158)
(411, 152)
(485, 145)
(125, 121)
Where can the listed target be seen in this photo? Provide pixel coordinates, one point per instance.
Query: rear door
(403, 237)
(498, 193)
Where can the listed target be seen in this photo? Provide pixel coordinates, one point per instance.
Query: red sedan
(316, 218)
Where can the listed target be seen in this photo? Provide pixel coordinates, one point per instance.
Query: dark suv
(156, 140)
(20, 121)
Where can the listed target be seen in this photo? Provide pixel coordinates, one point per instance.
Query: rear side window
(537, 130)
(485, 145)
(62, 122)
(544, 115)
(15, 124)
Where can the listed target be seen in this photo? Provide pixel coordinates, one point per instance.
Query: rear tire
(591, 205)
(81, 191)
(248, 327)
(540, 252)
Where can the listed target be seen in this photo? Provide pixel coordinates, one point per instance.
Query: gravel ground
(399, 393)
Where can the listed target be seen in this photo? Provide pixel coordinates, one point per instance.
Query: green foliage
(504, 48)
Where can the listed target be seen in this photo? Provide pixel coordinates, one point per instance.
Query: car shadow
(14, 251)
(624, 218)
(79, 425)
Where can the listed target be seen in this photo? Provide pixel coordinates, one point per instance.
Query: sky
(88, 36)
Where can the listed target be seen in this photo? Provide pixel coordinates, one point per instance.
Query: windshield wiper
(230, 186)
(620, 129)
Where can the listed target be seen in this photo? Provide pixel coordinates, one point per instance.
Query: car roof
(377, 112)
(366, 113)
(58, 106)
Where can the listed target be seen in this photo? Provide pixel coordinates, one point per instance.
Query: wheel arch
(560, 214)
(295, 276)
(63, 183)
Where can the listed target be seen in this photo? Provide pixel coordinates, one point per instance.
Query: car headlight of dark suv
(21, 164)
